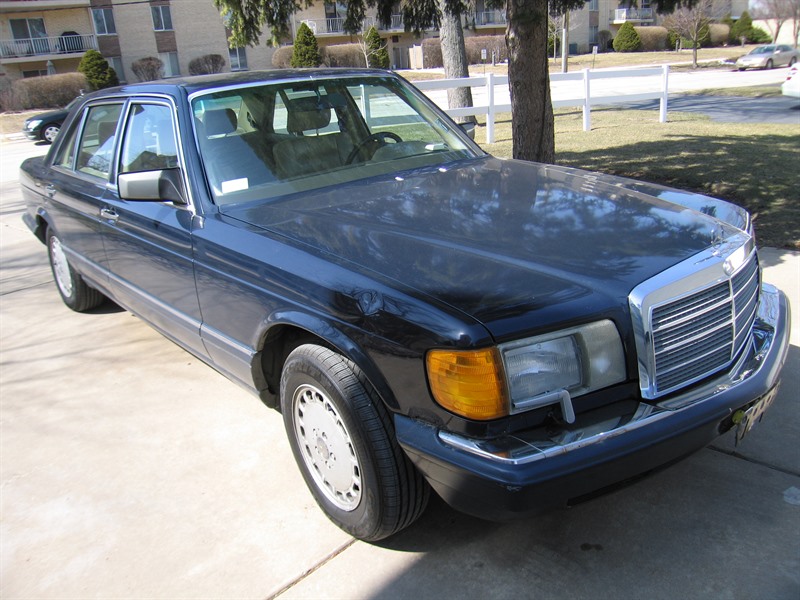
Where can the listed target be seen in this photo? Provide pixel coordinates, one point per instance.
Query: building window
(593, 34)
(116, 64)
(30, 35)
(238, 58)
(171, 66)
(104, 21)
(34, 73)
(162, 19)
(593, 5)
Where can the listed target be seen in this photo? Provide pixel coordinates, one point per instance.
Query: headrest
(306, 114)
(221, 121)
(105, 130)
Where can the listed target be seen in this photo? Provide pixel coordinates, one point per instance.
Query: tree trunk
(454, 57)
(533, 132)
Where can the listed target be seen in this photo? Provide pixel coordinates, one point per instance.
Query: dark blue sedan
(512, 335)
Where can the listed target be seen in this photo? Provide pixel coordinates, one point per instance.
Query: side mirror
(469, 129)
(165, 185)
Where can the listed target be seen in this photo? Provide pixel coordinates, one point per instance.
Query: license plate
(754, 414)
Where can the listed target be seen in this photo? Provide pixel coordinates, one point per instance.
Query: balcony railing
(490, 17)
(335, 26)
(47, 46)
(621, 15)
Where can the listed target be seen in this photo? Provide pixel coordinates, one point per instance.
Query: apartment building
(39, 37)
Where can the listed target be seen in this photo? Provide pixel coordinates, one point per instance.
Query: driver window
(149, 142)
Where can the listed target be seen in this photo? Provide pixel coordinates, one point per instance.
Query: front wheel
(49, 133)
(74, 291)
(343, 441)
(769, 64)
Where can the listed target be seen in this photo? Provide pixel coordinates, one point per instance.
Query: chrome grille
(698, 334)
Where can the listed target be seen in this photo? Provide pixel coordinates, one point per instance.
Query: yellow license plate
(754, 414)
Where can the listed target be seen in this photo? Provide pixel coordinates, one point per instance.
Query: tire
(49, 132)
(74, 291)
(343, 441)
(792, 61)
(769, 64)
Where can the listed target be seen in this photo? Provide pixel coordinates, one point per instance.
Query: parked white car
(791, 87)
(768, 56)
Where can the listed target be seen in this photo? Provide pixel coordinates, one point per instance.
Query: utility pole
(565, 44)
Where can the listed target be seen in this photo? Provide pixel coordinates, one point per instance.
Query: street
(130, 469)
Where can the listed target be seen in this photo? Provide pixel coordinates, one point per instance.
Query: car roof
(199, 83)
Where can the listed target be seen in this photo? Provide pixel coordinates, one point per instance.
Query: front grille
(701, 333)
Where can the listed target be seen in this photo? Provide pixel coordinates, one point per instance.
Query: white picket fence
(569, 96)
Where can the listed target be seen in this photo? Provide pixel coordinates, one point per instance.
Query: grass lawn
(753, 165)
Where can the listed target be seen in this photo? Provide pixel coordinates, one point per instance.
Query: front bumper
(31, 135)
(524, 473)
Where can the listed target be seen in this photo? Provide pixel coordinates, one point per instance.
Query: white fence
(570, 95)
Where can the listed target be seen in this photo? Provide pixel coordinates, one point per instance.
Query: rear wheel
(74, 291)
(792, 61)
(343, 441)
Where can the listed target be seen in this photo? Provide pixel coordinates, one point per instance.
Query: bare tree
(776, 13)
(692, 23)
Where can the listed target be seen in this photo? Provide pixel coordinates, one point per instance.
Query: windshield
(262, 142)
(763, 50)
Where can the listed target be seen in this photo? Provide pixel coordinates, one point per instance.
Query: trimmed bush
(604, 39)
(48, 91)
(492, 43)
(343, 55)
(99, 74)
(206, 64)
(627, 39)
(306, 50)
(377, 54)
(759, 36)
(718, 34)
(432, 53)
(282, 57)
(148, 68)
(652, 38)
(742, 28)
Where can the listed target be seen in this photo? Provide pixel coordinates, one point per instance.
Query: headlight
(527, 374)
(33, 124)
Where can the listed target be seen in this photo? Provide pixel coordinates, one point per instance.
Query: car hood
(499, 239)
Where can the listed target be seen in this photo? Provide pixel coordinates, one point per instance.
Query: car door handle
(109, 214)
(50, 189)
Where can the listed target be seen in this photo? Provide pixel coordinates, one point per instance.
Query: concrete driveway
(129, 469)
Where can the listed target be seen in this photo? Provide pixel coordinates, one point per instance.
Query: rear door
(78, 185)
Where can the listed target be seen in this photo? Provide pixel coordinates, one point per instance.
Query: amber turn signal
(469, 383)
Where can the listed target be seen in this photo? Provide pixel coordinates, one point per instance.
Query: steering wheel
(372, 138)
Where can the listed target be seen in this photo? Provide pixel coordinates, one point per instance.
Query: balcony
(11, 6)
(638, 15)
(335, 26)
(46, 48)
(490, 18)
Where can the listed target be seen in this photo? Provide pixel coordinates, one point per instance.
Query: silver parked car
(768, 56)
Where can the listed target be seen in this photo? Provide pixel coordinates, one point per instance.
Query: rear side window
(96, 148)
